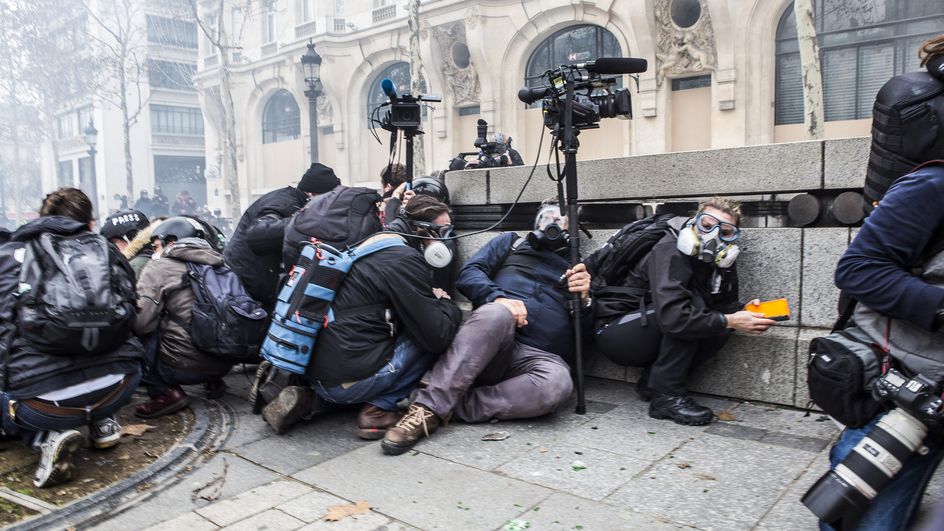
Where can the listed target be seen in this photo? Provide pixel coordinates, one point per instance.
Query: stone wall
(775, 262)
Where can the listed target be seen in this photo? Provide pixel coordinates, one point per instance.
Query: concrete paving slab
(563, 511)
(271, 519)
(189, 521)
(311, 507)
(578, 470)
(257, 500)
(783, 420)
(424, 491)
(307, 444)
(715, 482)
(362, 522)
(249, 427)
(789, 512)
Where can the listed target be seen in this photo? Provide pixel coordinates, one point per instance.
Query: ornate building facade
(721, 74)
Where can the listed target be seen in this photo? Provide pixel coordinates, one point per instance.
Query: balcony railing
(339, 25)
(384, 13)
(305, 29)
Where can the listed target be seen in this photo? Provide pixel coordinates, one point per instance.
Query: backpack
(225, 321)
(75, 295)
(840, 373)
(340, 218)
(303, 307)
(609, 266)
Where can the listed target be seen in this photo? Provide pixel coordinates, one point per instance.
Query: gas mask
(709, 239)
(437, 253)
(550, 233)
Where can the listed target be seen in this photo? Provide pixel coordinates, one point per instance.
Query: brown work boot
(293, 403)
(373, 422)
(418, 422)
(170, 401)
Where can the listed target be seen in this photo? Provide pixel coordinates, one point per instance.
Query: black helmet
(124, 224)
(178, 228)
(212, 234)
(432, 187)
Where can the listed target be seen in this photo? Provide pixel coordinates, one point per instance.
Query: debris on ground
(136, 430)
(578, 465)
(337, 513)
(726, 416)
(217, 482)
(517, 525)
(496, 436)
(683, 465)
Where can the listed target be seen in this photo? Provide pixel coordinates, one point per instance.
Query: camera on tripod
(594, 95)
(405, 112)
(843, 494)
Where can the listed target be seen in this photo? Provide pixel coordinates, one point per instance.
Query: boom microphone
(616, 65)
(388, 88)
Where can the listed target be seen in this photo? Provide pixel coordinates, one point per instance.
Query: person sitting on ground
(164, 317)
(121, 229)
(688, 307)
(142, 250)
(255, 250)
(509, 359)
(390, 326)
(44, 396)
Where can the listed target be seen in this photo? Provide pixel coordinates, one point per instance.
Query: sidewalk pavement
(613, 468)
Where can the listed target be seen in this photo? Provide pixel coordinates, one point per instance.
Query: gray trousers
(486, 374)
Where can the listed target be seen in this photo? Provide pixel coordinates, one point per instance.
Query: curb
(213, 423)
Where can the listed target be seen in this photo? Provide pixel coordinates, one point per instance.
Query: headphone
(706, 246)
(436, 253)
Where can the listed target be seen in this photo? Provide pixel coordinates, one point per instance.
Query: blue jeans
(896, 505)
(392, 383)
(28, 421)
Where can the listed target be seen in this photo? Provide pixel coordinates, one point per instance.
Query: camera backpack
(75, 295)
(340, 218)
(609, 266)
(303, 307)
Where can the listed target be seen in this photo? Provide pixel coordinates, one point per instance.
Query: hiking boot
(373, 422)
(170, 401)
(105, 433)
(55, 465)
(214, 388)
(681, 409)
(293, 403)
(418, 422)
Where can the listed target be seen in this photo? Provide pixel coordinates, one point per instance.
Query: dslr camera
(490, 154)
(843, 494)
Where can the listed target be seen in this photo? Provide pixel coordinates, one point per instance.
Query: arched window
(280, 119)
(862, 44)
(574, 44)
(399, 73)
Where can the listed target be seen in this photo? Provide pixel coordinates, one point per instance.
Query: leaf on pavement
(726, 416)
(136, 430)
(340, 512)
(706, 477)
(683, 465)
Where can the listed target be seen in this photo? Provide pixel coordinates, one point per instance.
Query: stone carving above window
(683, 50)
(457, 67)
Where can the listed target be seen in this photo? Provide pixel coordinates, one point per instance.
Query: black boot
(643, 390)
(681, 409)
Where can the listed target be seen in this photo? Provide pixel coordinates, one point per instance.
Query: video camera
(594, 97)
(491, 154)
(405, 112)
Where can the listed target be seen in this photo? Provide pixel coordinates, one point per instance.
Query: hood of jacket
(141, 242)
(194, 250)
(54, 224)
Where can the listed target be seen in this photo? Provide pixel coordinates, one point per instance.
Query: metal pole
(408, 135)
(313, 121)
(93, 178)
(569, 146)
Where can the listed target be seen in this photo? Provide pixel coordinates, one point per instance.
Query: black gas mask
(548, 233)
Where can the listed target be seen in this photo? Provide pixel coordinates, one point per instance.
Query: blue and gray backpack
(304, 304)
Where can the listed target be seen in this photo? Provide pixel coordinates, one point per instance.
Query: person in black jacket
(510, 359)
(688, 308)
(43, 397)
(390, 324)
(255, 250)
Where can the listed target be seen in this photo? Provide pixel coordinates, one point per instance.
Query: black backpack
(75, 296)
(340, 218)
(225, 321)
(609, 266)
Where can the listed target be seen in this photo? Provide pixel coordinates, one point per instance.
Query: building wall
(737, 109)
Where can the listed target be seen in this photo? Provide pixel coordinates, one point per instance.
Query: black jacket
(681, 291)
(357, 344)
(26, 372)
(255, 250)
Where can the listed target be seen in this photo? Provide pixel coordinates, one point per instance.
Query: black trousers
(669, 361)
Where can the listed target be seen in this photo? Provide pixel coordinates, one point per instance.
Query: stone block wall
(795, 263)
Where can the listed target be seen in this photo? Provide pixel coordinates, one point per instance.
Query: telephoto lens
(843, 494)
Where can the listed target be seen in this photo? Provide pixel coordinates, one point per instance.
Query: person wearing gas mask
(440, 250)
(510, 359)
(687, 306)
(255, 250)
(390, 325)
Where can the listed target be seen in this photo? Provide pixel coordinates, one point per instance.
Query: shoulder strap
(515, 244)
(373, 247)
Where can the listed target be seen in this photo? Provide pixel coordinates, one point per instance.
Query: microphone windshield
(619, 65)
(388, 88)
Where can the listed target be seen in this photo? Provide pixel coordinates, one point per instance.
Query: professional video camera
(491, 154)
(843, 494)
(594, 96)
(404, 115)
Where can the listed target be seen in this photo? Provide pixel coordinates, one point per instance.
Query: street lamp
(91, 135)
(311, 62)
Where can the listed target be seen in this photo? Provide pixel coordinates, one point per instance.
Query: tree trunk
(229, 125)
(126, 130)
(813, 114)
(417, 73)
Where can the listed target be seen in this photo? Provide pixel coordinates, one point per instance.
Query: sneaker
(170, 401)
(105, 433)
(293, 403)
(418, 422)
(55, 464)
(680, 409)
(373, 422)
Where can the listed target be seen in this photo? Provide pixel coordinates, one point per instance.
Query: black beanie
(318, 179)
